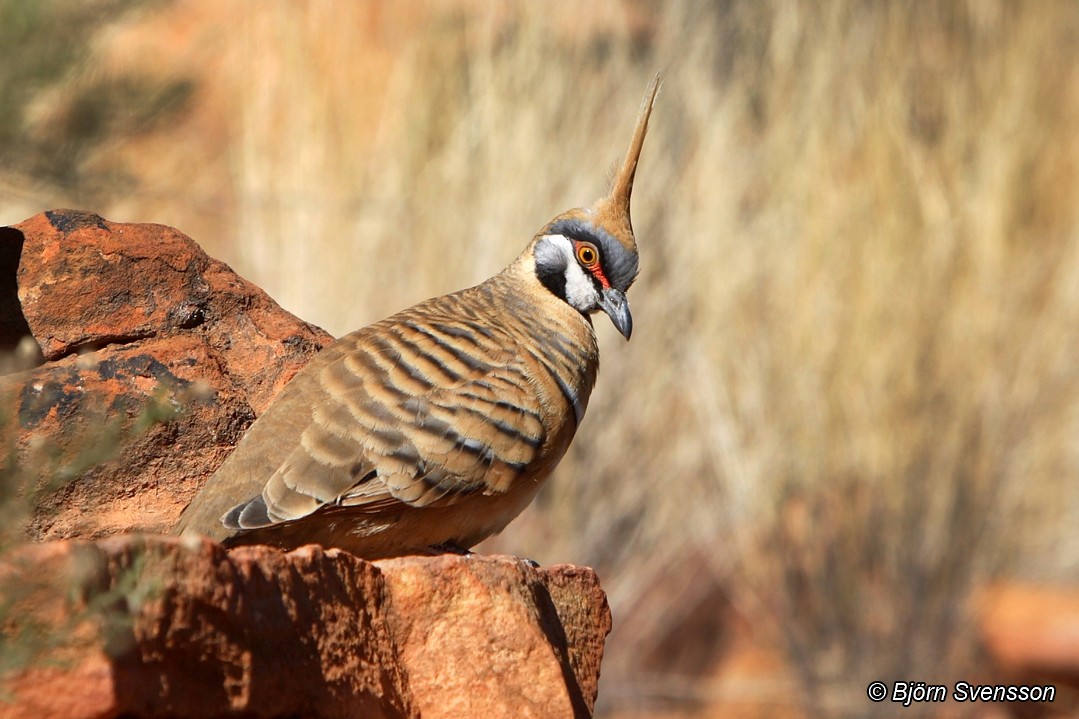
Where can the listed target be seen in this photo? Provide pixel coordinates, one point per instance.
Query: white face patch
(581, 292)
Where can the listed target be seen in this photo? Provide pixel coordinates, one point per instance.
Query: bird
(429, 431)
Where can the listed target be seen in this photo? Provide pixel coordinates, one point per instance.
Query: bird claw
(450, 548)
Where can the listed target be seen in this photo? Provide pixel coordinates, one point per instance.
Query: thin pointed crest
(622, 188)
(614, 208)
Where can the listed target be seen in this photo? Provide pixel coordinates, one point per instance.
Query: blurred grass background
(851, 396)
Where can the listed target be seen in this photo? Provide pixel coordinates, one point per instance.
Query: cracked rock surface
(170, 627)
(170, 328)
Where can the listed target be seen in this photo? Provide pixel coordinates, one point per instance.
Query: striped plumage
(435, 427)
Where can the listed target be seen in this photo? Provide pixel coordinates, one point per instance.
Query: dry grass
(852, 386)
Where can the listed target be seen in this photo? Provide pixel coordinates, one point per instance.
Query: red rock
(582, 612)
(169, 325)
(184, 629)
(541, 631)
(171, 627)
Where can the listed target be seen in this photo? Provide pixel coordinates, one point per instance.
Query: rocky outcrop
(171, 627)
(133, 321)
(154, 359)
(539, 632)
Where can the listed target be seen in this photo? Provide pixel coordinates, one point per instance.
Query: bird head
(588, 256)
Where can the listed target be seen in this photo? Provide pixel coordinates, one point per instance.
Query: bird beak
(614, 303)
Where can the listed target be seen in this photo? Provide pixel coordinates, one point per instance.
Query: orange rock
(541, 634)
(166, 324)
(184, 629)
(181, 628)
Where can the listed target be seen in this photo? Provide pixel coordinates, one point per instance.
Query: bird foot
(449, 548)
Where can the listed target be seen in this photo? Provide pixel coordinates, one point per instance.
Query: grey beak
(614, 303)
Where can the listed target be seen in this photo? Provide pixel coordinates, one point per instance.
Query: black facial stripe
(619, 266)
(553, 278)
(595, 280)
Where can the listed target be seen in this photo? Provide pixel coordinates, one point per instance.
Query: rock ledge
(174, 627)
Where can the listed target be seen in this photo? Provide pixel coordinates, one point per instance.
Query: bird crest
(612, 211)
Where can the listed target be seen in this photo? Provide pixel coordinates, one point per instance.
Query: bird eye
(587, 254)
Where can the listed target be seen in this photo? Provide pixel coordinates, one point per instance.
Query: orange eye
(587, 254)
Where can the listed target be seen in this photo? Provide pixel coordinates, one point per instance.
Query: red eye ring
(587, 254)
